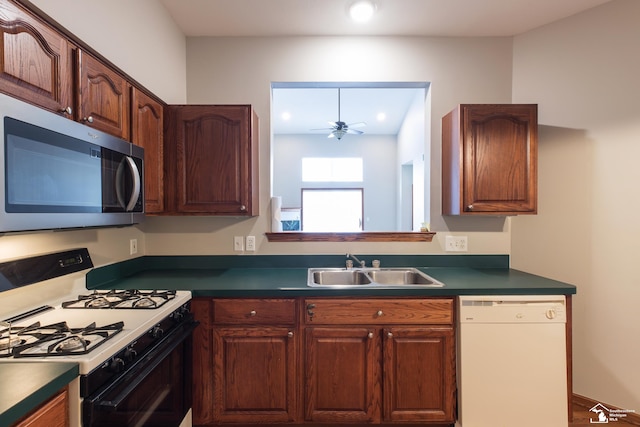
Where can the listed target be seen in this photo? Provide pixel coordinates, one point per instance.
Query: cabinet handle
(243, 208)
(370, 335)
(290, 334)
(88, 119)
(379, 313)
(470, 207)
(311, 306)
(389, 334)
(67, 110)
(252, 313)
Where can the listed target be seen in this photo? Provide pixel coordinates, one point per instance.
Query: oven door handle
(146, 365)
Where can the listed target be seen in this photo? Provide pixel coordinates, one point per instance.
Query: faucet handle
(349, 264)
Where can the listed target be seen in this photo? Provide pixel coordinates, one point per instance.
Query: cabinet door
(489, 155)
(213, 160)
(147, 131)
(254, 375)
(103, 97)
(37, 62)
(419, 374)
(52, 413)
(342, 375)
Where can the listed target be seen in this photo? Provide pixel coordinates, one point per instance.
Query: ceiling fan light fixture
(362, 10)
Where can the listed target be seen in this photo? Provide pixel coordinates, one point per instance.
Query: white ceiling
(265, 18)
(317, 108)
(394, 17)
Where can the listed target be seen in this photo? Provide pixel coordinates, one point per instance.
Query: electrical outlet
(456, 244)
(133, 246)
(238, 243)
(251, 243)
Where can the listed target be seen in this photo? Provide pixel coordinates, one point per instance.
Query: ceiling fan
(339, 128)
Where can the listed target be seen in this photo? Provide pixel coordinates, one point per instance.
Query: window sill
(373, 236)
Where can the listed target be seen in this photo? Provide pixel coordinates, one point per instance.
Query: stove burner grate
(122, 299)
(60, 340)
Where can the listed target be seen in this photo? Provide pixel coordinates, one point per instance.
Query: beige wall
(583, 71)
(240, 70)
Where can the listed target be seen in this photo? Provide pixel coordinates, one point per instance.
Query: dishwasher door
(512, 367)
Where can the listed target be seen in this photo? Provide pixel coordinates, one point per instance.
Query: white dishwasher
(512, 368)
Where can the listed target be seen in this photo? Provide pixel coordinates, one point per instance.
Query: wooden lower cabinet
(379, 360)
(342, 375)
(245, 361)
(419, 374)
(52, 413)
(319, 361)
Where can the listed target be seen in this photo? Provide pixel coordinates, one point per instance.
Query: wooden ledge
(364, 236)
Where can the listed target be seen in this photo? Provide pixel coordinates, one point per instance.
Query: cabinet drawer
(254, 311)
(379, 311)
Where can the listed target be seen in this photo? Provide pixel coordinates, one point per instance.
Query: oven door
(156, 391)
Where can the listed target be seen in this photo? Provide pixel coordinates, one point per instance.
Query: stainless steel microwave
(58, 174)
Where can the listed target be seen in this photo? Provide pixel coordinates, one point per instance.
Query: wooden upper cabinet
(103, 97)
(211, 159)
(36, 63)
(489, 159)
(147, 127)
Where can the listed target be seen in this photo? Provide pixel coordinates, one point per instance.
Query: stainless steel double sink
(370, 277)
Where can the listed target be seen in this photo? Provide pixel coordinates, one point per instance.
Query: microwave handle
(135, 193)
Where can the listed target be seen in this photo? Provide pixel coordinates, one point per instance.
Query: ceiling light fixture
(362, 10)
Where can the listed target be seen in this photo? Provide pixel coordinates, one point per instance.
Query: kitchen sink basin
(370, 277)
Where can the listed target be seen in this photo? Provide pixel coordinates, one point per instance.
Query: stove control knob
(157, 331)
(116, 365)
(130, 354)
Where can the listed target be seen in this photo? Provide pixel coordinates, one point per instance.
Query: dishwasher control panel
(513, 309)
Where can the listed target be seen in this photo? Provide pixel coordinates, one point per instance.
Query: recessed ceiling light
(381, 117)
(286, 116)
(362, 10)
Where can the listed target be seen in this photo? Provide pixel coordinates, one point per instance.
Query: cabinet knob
(370, 335)
(290, 334)
(470, 207)
(243, 208)
(389, 334)
(379, 313)
(88, 119)
(67, 110)
(252, 313)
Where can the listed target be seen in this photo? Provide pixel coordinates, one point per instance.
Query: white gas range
(132, 348)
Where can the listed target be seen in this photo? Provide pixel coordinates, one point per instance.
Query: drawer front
(387, 311)
(254, 311)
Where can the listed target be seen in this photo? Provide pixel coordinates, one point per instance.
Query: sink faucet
(362, 263)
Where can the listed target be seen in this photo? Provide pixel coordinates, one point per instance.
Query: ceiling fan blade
(322, 129)
(355, 132)
(357, 125)
(331, 135)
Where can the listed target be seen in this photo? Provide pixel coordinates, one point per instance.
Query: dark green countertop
(273, 277)
(25, 385)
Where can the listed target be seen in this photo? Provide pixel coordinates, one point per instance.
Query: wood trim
(632, 418)
(364, 236)
(569, 338)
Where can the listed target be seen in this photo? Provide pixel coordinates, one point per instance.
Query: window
(332, 169)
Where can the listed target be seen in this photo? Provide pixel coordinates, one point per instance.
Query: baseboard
(632, 418)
